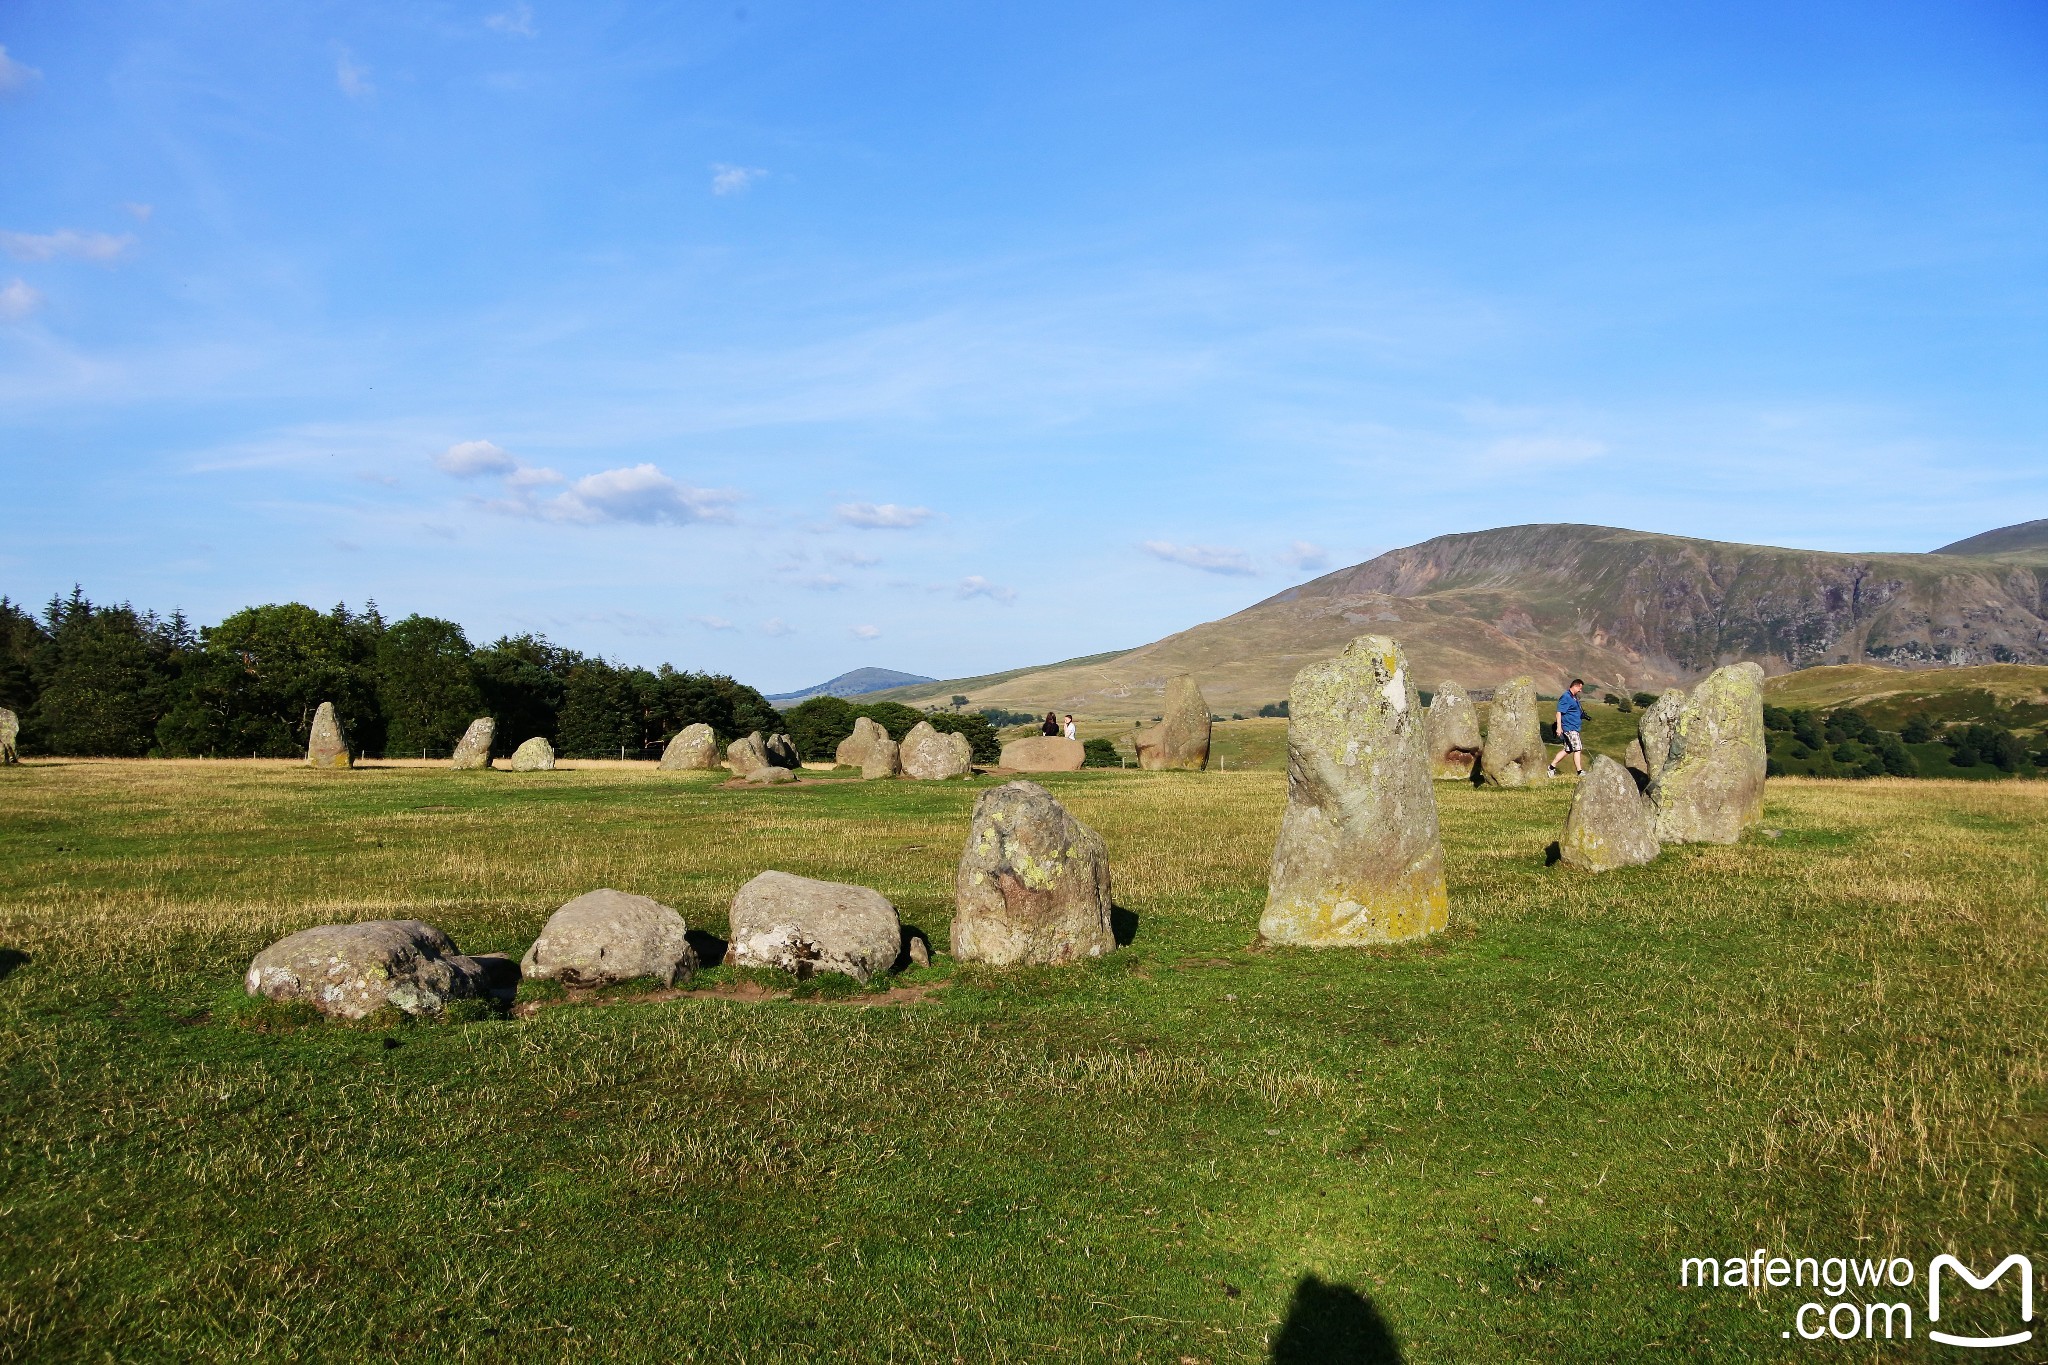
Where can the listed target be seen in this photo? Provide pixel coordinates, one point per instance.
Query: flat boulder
(801, 926)
(534, 756)
(1653, 731)
(1359, 859)
(1181, 738)
(853, 750)
(474, 748)
(1044, 754)
(1611, 823)
(745, 755)
(352, 970)
(1710, 786)
(1513, 755)
(1453, 730)
(769, 776)
(694, 749)
(1033, 883)
(326, 745)
(10, 730)
(933, 756)
(605, 937)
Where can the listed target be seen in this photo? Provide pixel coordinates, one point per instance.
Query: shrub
(981, 736)
(1273, 708)
(1101, 754)
(1644, 698)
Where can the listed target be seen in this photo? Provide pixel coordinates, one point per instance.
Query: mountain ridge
(856, 683)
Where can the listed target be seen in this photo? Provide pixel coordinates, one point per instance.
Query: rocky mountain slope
(1624, 609)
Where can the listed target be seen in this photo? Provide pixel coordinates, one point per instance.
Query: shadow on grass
(10, 958)
(709, 947)
(1123, 925)
(1333, 1324)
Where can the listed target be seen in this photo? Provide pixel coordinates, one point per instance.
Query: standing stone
(853, 750)
(801, 926)
(604, 937)
(693, 748)
(1033, 884)
(1711, 784)
(1181, 738)
(327, 746)
(10, 729)
(475, 749)
(534, 756)
(781, 751)
(1513, 754)
(930, 756)
(1611, 823)
(745, 755)
(1453, 731)
(1359, 858)
(350, 970)
(1653, 731)
(1044, 754)
(884, 758)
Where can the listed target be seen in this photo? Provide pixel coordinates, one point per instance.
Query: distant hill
(2013, 695)
(1623, 609)
(858, 683)
(2028, 540)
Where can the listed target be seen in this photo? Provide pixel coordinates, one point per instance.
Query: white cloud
(531, 476)
(867, 632)
(714, 623)
(17, 300)
(1525, 451)
(854, 558)
(775, 625)
(474, 459)
(517, 21)
(350, 79)
(66, 242)
(1207, 558)
(974, 585)
(882, 516)
(15, 78)
(640, 493)
(733, 179)
(1304, 554)
(139, 212)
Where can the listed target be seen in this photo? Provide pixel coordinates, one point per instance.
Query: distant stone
(352, 970)
(769, 776)
(781, 751)
(1033, 883)
(605, 937)
(693, 749)
(1359, 859)
(745, 755)
(10, 729)
(1513, 755)
(1653, 731)
(1453, 731)
(1611, 823)
(884, 758)
(932, 756)
(534, 756)
(474, 750)
(1711, 784)
(1181, 738)
(853, 750)
(1044, 754)
(801, 926)
(327, 746)
(919, 952)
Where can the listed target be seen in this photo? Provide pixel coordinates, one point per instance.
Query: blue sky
(780, 339)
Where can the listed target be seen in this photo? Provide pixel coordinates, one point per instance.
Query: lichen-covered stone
(802, 926)
(1711, 784)
(473, 750)
(326, 746)
(1653, 731)
(536, 755)
(1359, 859)
(745, 755)
(694, 749)
(1611, 823)
(1044, 754)
(351, 970)
(604, 937)
(1181, 738)
(933, 756)
(10, 730)
(1513, 755)
(1453, 731)
(853, 750)
(1033, 883)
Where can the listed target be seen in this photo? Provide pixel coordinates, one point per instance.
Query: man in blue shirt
(1571, 718)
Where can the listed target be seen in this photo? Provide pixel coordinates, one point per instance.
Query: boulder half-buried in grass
(1513, 753)
(1710, 786)
(801, 926)
(534, 756)
(1611, 823)
(930, 756)
(1033, 883)
(604, 937)
(1044, 754)
(350, 970)
(326, 745)
(694, 748)
(1359, 858)
(1453, 734)
(474, 749)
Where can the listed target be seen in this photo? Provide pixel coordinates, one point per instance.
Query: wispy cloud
(350, 79)
(867, 632)
(726, 179)
(775, 625)
(714, 623)
(15, 78)
(1208, 558)
(17, 300)
(517, 21)
(139, 212)
(66, 243)
(974, 585)
(885, 516)
(853, 558)
(475, 459)
(1306, 555)
(640, 493)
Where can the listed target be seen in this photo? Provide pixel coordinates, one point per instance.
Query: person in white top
(1068, 728)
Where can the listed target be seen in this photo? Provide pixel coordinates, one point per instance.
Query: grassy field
(1493, 1146)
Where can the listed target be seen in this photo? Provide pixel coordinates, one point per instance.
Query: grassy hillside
(2015, 695)
(1491, 1147)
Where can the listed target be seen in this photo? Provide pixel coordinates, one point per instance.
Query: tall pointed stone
(10, 728)
(326, 746)
(475, 749)
(1513, 755)
(1711, 785)
(1181, 738)
(1453, 734)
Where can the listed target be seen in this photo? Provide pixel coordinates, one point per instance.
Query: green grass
(1825, 1042)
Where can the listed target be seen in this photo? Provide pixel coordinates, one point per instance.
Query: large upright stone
(1611, 823)
(853, 750)
(1653, 731)
(536, 755)
(1453, 734)
(694, 748)
(1033, 883)
(884, 758)
(1359, 858)
(474, 749)
(10, 729)
(1044, 754)
(801, 926)
(781, 751)
(932, 756)
(1711, 784)
(1181, 738)
(327, 746)
(1513, 754)
(604, 937)
(350, 970)
(747, 755)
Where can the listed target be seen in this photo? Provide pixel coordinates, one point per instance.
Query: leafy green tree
(817, 725)
(426, 685)
(522, 680)
(1917, 729)
(1897, 761)
(1273, 708)
(260, 675)
(730, 708)
(1777, 718)
(1806, 729)
(895, 717)
(981, 736)
(1644, 698)
(104, 678)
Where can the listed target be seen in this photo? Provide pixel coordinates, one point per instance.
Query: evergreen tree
(104, 678)
(261, 674)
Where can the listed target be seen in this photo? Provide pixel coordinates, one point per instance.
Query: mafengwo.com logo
(1860, 1299)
